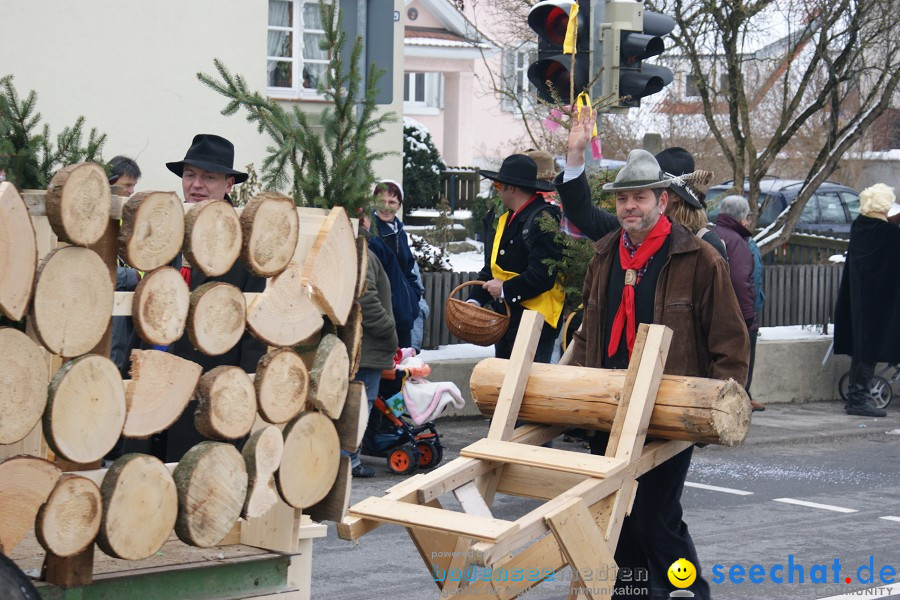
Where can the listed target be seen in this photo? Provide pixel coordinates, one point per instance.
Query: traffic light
(631, 35)
(551, 20)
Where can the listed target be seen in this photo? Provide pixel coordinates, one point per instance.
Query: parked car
(829, 211)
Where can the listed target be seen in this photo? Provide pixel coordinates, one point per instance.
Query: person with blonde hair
(867, 312)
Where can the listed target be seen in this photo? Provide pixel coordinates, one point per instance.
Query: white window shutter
(507, 79)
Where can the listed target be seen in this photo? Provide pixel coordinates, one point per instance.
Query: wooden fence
(460, 185)
(795, 295)
(806, 249)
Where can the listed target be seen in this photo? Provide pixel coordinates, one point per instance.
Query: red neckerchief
(521, 208)
(625, 316)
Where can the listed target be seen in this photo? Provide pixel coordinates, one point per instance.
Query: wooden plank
(532, 525)
(510, 400)
(72, 571)
(278, 529)
(459, 562)
(445, 290)
(451, 475)
(581, 542)
(416, 515)
(471, 500)
(433, 547)
(36, 202)
(647, 363)
(781, 298)
(535, 482)
(539, 456)
(545, 558)
(352, 527)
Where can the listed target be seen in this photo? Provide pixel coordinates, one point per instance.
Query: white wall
(130, 68)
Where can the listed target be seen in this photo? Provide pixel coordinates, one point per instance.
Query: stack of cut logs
(299, 409)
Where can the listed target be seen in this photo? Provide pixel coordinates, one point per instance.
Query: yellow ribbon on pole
(585, 100)
(571, 31)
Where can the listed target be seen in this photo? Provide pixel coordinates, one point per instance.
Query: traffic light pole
(618, 17)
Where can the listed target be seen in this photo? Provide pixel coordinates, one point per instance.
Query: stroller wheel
(430, 454)
(402, 460)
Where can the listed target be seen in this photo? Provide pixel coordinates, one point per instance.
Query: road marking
(891, 519)
(839, 509)
(881, 591)
(715, 488)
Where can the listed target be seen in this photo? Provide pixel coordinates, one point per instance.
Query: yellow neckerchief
(549, 303)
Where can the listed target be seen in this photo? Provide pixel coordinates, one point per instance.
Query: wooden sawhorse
(586, 497)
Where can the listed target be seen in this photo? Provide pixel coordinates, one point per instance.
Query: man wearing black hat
(207, 173)
(515, 268)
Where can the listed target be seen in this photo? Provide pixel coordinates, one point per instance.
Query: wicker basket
(472, 323)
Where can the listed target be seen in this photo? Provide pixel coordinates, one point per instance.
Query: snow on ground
(471, 351)
(457, 351)
(792, 332)
(458, 215)
(465, 262)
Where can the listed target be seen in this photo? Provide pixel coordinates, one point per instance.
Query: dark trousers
(754, 333)
(543, 353)
(861, 373)
(654, 535)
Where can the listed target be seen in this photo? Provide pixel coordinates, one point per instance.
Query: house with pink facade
(461, 81)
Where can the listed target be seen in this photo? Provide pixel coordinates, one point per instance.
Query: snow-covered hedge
(422, 166)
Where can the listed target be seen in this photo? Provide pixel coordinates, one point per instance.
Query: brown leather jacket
(694, 298)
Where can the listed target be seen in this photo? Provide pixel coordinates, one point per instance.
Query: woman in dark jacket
(866, 316)
(390, 244)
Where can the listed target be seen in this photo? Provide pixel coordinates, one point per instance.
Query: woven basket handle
(475, 282)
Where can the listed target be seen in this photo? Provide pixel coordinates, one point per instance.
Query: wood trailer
(218, 524)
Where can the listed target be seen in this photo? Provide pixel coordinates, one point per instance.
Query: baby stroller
(401, 426)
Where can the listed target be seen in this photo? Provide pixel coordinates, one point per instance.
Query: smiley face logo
(682, 573)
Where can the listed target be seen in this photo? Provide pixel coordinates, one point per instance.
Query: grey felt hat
(641, 172)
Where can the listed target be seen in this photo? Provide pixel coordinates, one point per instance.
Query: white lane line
(881, 591)
(839, 509)
(891, 519)
(715, 488)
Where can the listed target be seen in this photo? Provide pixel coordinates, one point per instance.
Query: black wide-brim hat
(521, 171)
(211, 153)
(677, 161)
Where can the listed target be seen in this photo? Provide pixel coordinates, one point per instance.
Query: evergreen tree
(422, 166)
(332, 168)
(28, 153)
(443, 225)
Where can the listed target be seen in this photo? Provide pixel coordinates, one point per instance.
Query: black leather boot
(860, 403)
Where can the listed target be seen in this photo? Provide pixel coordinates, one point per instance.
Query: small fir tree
(443, 225)
(422, 165)
(28, 153)
(332, 168)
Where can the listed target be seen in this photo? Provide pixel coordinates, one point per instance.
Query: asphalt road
(811, 486)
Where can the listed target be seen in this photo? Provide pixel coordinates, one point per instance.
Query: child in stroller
(403, 396)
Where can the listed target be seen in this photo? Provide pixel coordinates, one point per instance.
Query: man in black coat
(867, 313)
(515, 269)
(207, 173)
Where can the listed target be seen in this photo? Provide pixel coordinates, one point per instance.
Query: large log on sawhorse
(688, 408)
